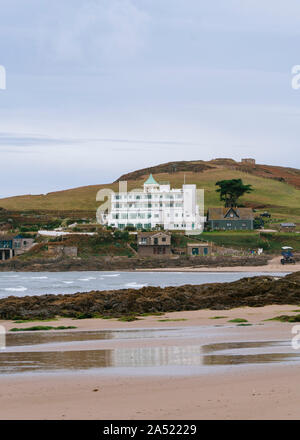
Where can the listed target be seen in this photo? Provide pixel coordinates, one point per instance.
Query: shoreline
(130, 304)
(230, 392)
(130, 264)
(272, 265)
(229, 269)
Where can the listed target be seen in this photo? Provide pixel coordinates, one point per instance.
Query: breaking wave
(15, 289)
(135, 285)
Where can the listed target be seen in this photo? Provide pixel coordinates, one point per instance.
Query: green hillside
(270, 242)
(274, 193)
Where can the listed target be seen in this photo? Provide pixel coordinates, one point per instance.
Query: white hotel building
(156, 205)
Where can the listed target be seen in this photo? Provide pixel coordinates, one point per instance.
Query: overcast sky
(97, 88)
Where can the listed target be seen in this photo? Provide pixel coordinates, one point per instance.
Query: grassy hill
(270, 242)
(276, 189)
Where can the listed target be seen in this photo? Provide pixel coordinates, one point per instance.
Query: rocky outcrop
(124, 263)
(250, 291)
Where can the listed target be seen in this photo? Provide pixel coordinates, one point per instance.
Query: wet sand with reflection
(119, 370)
(19, 357)
(142, 358)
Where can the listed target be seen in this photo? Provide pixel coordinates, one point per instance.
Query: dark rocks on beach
(125, 263)
(250, 291)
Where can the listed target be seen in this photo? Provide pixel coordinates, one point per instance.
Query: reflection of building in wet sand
(157, 356)
(17, 362)
(165, 356)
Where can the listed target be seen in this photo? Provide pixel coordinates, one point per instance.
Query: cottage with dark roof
(230, 218)
(154, 243)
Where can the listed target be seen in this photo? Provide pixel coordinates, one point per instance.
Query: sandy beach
(273, 265)
(264, 391)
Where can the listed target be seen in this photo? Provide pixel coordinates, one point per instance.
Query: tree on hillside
(231, 190)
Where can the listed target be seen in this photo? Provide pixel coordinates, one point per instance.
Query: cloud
(93, 32)
(98, 87)
(24, 140)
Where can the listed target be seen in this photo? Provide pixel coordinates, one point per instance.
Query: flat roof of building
(198, 244)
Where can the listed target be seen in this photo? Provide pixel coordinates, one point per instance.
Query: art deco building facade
(156, 205)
